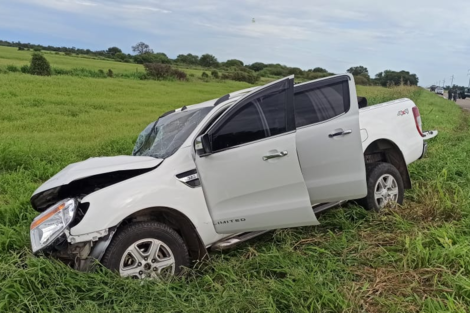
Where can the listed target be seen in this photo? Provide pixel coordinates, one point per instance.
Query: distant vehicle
(440, 91)
(465, 93)
(433, 88)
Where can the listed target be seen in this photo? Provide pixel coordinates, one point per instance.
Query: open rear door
(329, 139)
(250, 171)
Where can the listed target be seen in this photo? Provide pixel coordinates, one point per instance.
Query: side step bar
(233, 241)
(225, 244)
(326, 206)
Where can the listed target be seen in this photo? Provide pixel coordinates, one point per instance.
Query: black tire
(135, 232)
(374, 173)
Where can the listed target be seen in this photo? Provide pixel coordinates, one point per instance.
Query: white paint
(96, 166)
(239, 184)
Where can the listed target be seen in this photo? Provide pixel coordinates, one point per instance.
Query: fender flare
(176, 220)
(385, 150)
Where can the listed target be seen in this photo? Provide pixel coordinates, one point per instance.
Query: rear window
(320, 104)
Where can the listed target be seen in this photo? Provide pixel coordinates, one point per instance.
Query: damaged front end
(60, 201)
(80, 255)
(50, 234)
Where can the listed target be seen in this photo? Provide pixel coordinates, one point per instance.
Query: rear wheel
(149, 250)
(384, 187)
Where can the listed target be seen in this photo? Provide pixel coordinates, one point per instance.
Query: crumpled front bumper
(81, 256)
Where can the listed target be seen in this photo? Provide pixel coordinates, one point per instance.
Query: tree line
(144, 54)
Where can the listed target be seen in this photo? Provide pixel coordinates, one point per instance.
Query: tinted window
(249, 125)
(274, 111)
(320, 104)
(242, 127)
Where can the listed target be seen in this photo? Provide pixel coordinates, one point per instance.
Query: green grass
(11, 56)
(410, 259)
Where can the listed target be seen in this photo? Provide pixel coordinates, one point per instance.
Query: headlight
(51, 223)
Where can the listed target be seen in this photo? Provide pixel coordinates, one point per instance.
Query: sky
(426, 37)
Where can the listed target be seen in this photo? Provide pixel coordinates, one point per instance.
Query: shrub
(318, 70)
(179, 75)
(39, 65)
(233, 63)
(12, 68)
(294, 71)
(204, 75)
(110, 73)
(249, 77)
(68, 53)
(163, 71)
(274, 70)
(85, 72)
(157, 70)
(120, 56)
(215, 74)
(244, 77)
(20, 49)
(361, 80)
(57, 52)
(25, 69)
(37, 49)
(158, 57)
(208, 60)
(79, 72)
(161, 57)
(61, 71)
(257, 66)
(189, 58)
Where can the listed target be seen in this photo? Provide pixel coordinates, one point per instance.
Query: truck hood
(97, 166)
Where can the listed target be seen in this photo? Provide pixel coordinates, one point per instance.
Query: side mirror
(202, 145)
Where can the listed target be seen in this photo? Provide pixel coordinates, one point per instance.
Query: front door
(251, 178)
(329, 140)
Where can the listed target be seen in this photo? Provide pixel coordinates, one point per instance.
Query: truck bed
(392, 121)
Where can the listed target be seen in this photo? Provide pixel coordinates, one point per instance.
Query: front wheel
(384, 187)
(146, 250)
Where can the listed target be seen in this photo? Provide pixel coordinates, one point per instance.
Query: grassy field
(411, 259)
(11, 56)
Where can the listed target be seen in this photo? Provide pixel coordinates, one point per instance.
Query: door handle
(275, 155)
(340, 133)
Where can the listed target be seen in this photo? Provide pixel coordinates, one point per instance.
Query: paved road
(464, 103)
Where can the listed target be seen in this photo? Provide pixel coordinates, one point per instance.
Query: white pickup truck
(218, 173)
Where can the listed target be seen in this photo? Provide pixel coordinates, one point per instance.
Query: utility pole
(468, 74)
(444, 84)
(452, 81)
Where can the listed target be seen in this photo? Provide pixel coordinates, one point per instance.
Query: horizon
(416, 37)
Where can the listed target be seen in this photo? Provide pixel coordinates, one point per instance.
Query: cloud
(413, 35)
(141, 8)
